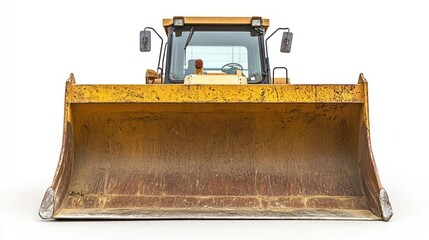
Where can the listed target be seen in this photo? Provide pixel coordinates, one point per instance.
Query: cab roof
(166, 22)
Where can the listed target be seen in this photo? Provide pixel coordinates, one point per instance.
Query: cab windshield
(222, 50)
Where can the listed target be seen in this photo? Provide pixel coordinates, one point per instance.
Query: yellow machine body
(205, 151)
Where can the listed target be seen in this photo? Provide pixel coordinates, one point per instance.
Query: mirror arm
(267, 61)
(160, 50)
(266, 40)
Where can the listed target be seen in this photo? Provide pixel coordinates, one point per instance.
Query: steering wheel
(231, 68)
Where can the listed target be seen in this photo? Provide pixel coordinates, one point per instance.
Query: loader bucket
(216, 151)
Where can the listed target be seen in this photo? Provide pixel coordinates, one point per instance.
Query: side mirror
(286, 43)
(144, 41)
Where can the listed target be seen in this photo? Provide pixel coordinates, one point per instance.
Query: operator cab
(232, 50)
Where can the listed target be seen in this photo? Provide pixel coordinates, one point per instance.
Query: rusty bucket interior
(215, 160)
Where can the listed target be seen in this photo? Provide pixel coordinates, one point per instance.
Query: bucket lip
(47, 208)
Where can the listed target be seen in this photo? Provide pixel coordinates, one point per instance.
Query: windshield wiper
(189, 37)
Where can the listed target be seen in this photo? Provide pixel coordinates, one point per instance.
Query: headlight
(256, 22)
(178, 21)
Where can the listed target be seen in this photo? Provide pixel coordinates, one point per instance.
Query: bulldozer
(215, 134)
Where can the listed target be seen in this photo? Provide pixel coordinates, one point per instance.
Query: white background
(43, 41)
